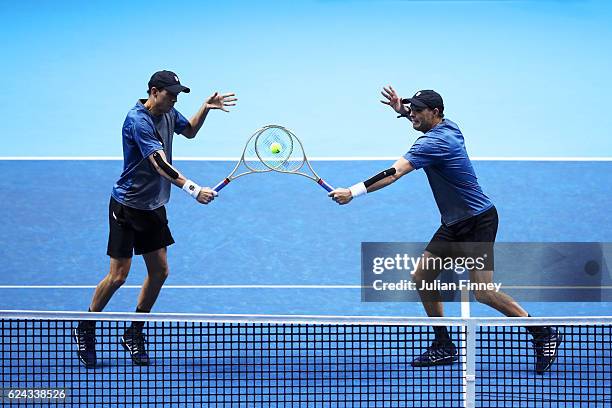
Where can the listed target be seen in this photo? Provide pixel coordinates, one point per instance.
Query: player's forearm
(166, 170)
(179, 181)
(175, 177)
(381, 184)
(370, 185)
(400, 168)
(197, 120)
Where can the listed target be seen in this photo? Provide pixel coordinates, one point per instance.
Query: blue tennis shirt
(441, 153)
(140, 185)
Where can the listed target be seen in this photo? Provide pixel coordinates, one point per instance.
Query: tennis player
(136, 214)
(469, 220)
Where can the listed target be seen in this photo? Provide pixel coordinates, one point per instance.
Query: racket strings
(274, 147)
(295, 162)
(250, 158)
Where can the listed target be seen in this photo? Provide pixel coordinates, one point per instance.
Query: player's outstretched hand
(221, 101)
(206, 195)
(393, 100)
(341, 195)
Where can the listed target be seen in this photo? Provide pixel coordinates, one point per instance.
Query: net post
(470, 362)
(468, 383)
(465, 303)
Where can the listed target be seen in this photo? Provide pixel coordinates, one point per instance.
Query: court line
(262, 286)
(331, 158)
(188, 286)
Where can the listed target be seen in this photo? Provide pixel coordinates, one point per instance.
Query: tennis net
(581, 376)
(300, 361)
(228, 361)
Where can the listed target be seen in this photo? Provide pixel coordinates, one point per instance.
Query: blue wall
(522, 78)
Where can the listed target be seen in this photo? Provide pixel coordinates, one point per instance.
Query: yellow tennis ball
(275, 148)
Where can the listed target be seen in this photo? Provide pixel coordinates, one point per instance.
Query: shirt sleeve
(180, 122)
(426, 151)
(145, 138)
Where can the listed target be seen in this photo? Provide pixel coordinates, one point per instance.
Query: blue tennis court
(274, 244)
(277, 231)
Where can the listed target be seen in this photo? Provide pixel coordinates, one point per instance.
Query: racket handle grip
(324, 184)
(222, 184)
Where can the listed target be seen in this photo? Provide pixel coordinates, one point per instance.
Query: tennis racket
(280, 150)
(249, 161)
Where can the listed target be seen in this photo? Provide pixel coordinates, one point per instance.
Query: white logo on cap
(418, 93)
(176, 78)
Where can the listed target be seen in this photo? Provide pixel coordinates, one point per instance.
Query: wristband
(192, 188)
(358, 189)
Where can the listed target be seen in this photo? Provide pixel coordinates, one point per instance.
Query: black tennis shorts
(136, 231)
(471, 238)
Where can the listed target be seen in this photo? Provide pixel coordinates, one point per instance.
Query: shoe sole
(436, 363)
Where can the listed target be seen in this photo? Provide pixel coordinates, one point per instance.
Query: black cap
(167, 80)
(426, 99)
